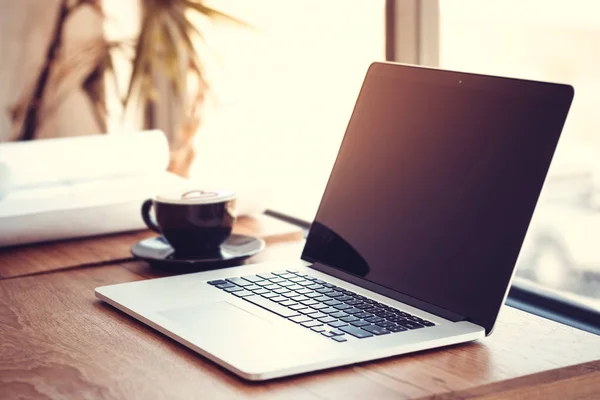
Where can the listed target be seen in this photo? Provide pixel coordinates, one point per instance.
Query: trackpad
(219, 317)
(243, 339)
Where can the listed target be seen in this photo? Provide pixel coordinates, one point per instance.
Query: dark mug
(194, 223)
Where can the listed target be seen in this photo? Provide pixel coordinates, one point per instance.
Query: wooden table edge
(580, 381)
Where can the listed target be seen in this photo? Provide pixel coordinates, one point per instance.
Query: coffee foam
(196, 197)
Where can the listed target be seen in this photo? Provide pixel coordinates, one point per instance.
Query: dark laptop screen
(435, 183)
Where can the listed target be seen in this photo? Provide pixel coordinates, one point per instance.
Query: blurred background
(260, 91)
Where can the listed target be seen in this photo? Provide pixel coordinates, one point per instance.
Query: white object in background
(5, 180)
(84, 158)
(83, 186)
(74, 187)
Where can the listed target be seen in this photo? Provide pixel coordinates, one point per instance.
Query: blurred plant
(60, 73)
(166, 49)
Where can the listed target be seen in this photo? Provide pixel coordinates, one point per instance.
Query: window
(285, 90)
(551, 41)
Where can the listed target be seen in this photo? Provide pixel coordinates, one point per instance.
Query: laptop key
(243, 293)
(397, 328)
(340, 339)
(252, 278)
(288, 303)
(304, 291)
(272, 287)
(342, 306)
(316, 315)
(376, 330)
(309, 302)
(318, 328)
(339, 314)
(319, 306)
(298, 307)
(349, 318)
(427, 323)
(355, 331)
(278, 299)
(410, 325)
(307, 310)
(314, 286)
(335, 294)
(329, 310)
(321, 298)
(239, 281)
(266, 275)
(299, 298)
(286, 283)
(252, 287)
(332, 302)
(353, 302)
(363, 315)
(337, 324)
(401, 313)
(360, 322)
(324, 290)
(273, 307)
(386, 324)
(269, 295)
(300, 319)
(216, 282)
(374, 320)
(304, 283)
(233, 289)
(295, 287)
(225, 285)
(264, 283)
(281, 290)
(311, 324)
(353, 311)
(277, 280)
(326, 319)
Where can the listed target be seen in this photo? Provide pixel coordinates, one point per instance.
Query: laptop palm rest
(240, 337)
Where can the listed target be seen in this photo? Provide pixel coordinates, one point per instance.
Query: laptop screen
(435, 184)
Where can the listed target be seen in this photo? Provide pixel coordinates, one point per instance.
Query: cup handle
(148, 220)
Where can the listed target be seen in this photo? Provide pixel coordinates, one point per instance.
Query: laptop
(414, 243)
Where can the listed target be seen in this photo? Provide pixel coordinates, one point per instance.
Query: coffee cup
(195, 222)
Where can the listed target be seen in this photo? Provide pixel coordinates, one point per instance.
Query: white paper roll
(52, 161)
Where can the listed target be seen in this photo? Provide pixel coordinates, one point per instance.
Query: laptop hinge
(411, 301)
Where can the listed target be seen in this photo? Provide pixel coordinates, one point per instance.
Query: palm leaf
(211, 12)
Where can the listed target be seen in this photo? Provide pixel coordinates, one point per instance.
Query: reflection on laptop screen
(435, 184)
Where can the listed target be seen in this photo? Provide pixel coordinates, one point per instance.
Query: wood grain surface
(58, 341)
(41, 258)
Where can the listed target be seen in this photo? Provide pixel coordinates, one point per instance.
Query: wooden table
(58, 341)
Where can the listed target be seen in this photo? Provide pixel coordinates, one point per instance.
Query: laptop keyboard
(317, 305)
